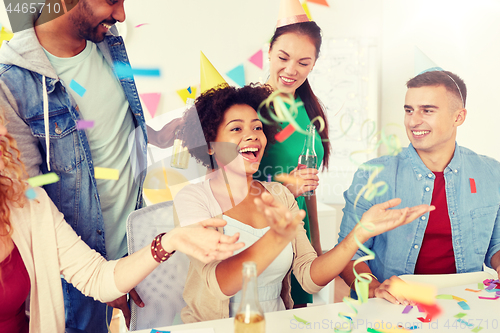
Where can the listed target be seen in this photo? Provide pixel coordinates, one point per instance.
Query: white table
(484, 313)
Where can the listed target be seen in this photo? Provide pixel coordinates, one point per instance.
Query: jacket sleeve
(351, 213)
(20, 131)
(494, 245)
(81, 266)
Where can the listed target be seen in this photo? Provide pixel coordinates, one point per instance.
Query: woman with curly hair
(37, 246)
(264, 213)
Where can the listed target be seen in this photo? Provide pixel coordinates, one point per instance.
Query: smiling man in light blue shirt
(464, 230)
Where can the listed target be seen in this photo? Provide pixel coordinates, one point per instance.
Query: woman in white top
(37, 246)
(275, 237)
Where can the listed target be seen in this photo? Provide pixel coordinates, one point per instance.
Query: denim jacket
(474, 217)
(23, 68)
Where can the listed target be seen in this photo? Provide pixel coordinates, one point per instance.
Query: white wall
(459, 36)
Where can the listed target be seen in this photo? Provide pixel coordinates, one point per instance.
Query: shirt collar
(421, 171)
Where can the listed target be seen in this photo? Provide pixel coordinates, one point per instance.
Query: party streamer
(276, 104)
(279, 112)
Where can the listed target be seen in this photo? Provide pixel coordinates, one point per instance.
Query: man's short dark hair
(452, 82)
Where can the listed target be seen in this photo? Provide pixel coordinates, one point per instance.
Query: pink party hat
(291, 11)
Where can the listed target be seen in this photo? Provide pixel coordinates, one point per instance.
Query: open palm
(380, 218)
(202, 242)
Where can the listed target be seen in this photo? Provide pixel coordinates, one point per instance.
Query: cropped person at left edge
(37, 70)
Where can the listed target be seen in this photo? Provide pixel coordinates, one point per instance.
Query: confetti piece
(269, 178)
(140, 25)
(480, 286)
(444, 296)
(286, 178)
(300, 320)
(472, 185)
(473, 290)
(151, 100)
(237, 74)
(372, 330)
(189, 90)
(424, 320)
(319, 2)
(125, 71)
(432, 310)
(477, 329)
(420, 308)
(77, 88)
(285, 133)
(464, 322)
(460, 315)
(30, 194)
(44, 179)
(156, 331)
(459, 299)
(106, 173)
(407, 309)
(82, 124)
(421, 293)
(464, 305)
(256, 59)
(369, 329)
(491, 298)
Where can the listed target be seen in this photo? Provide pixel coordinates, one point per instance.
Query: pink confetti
(82, 124)
(407, 309)
(491, 298)
(140, 25)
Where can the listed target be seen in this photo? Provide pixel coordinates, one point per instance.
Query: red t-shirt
(436, 253)
(14, 289)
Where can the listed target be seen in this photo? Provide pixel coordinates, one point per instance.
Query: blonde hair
(12, 183)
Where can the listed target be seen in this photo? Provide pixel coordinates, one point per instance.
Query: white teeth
(244, 150)
(107, 26)
(287, 80)
(420, 132)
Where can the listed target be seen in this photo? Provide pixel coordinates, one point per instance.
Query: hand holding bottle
(308, 159)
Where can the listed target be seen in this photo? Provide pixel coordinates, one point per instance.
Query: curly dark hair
(209, 110)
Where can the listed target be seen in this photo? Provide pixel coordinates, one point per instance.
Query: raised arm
(196, 241)
(262, 252)
(380, 218)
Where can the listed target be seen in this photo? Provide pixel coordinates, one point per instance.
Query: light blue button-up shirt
(474, 217)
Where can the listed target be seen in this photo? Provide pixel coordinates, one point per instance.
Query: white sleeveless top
(270, 280)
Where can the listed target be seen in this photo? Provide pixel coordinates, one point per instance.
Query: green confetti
(373, 330)
(300, 320)
(477, 329)
(444, 296)
(480, 285)
(460, 315)
(44, 179)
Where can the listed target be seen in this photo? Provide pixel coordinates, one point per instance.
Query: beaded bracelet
(157, 250)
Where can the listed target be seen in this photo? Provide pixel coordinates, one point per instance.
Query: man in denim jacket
(52, 76)
(464, 230)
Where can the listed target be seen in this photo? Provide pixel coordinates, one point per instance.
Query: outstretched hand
(202, 242)
(278, 217)
(384, 219)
